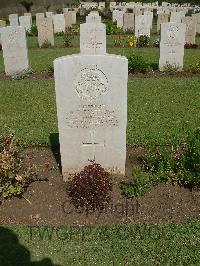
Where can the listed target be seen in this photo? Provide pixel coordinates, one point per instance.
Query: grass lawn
(159, 244)
(41, 59)
(160, 110)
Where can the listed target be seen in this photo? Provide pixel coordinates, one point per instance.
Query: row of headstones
(60, 21)
(91, 119)
(92, 39)
(142, 24)
(14, 44)
(46, 25)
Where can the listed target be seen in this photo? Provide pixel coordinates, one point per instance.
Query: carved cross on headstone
(92, 143)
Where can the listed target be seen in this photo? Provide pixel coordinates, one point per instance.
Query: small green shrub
(111, 27)
(90, 189)
(23, 74)
(176, 165)
(170, 68)
(141, 182)
(68, 37)
(13, 178)
(59, 34)
(136, 63)
(190, 162)
(33, 31)
(156, 43)
(46, 44)
(143, 41)
(129, 31)
(50, 70)
(76, 29)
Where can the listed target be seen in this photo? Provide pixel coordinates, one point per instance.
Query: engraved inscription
(91, 83)
(93, 42)
(92, 116)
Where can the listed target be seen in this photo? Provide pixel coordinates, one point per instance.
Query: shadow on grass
(55, 148)
(12, 253)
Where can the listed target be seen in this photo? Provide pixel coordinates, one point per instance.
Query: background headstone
(176, 17)
(120, 19)
(93, 17)
(45, 32)
(142, 26)
(172, 45)
(93, 36)
(59, 23)
(49, 14)
(14, 49)
(25, 22)
(2, 24)
(39, 18)
(13, 19)
(68, 20)
(197, 18)
(190, 33)
(162, 18)
(73, 14)
(129, 20)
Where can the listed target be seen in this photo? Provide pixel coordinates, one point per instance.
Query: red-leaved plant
(91, 188)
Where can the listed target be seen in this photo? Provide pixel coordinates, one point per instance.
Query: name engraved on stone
(91, 83)
(92, 116)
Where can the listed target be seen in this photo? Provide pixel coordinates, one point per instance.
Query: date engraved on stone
(92, 116)
(91, 83)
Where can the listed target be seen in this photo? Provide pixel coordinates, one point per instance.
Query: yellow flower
(131, 43)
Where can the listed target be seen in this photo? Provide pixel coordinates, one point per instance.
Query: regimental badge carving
(172, 35)
(91, 83)
(12, 37)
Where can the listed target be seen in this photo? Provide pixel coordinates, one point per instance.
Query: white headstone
(162, 18)
(176, 17)
(149, 14)
(59, 23)
(114, 15)
(49, 14)
(13, 19)
(73, 14)
(142, 26)
(25, 22)
(39, 18)
(93, 36)
(197, 19)
(129, 20)
(120, 19)
(93, 17)
(190, 33)
(45, 32)
(91, 118)
(172, 45)
(14, 49)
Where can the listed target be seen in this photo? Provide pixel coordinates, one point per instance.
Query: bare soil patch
(46, 202)
(151, 74)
